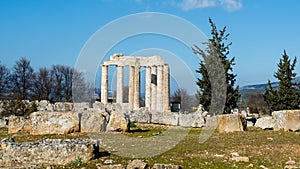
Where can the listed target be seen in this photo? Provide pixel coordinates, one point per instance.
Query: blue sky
(54, 31)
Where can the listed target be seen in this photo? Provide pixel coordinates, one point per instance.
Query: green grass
(264, 147)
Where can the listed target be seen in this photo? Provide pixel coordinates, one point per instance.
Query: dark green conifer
(216, 71)
(287, 95)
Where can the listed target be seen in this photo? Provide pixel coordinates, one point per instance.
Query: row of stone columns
(157, 87)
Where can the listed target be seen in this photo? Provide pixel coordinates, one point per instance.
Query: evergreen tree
(216, 72)
(287, 95)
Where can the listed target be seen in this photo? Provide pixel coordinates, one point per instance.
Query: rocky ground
(254, 148)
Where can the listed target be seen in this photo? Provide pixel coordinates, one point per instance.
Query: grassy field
(269, 148)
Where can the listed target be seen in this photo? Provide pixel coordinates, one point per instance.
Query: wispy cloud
(188, 5)
(230, 5)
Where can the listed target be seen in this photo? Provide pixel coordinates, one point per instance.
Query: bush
(17, 108)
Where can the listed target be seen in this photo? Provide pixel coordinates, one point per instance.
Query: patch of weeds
(132, 125)
(77, 162)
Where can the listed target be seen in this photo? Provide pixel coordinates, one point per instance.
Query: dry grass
(264, 147)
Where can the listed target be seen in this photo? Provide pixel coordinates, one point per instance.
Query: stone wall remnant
(46, 152)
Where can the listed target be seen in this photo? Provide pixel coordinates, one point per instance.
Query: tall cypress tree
(287, 95)
(209, 68)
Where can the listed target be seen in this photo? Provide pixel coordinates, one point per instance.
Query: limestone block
(110, 166)
(141, 116)
(265, 122)
(54, 123)
(82, 106)
(165, 166)
(227, 123)
(92, 122)
(63, 106)
(137, 164)
(44, 105)
(46, 151)
(167, 118)
(118, 121)
(3, 122)
(194, 119)
(18, 123)
(287, 120)
(99, 105)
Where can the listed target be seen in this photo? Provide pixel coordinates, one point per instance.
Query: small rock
(114, 166)
(240, 159)
(137, 164)
(49, 167)
(109, 161)
(263, 167)
(219, 155)
(250, 165)
(156, 134)
(290, 162)
(235, 154)
(165, 166)
(291, 167)
(270, 138)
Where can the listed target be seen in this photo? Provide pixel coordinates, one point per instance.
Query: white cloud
(196, 4)
(231, 5)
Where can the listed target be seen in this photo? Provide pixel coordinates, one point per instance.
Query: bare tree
(43, 85)
(257, 104)
(22, 79)
(57, 83)
(186, 101)
(4, 81)
(81, 90)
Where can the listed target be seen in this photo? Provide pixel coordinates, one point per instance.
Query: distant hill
(247, 90)
(262, 86)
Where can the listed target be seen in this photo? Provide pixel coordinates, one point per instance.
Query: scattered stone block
(265, 123)
(165, 166)
(194, 119)
(94, 122)
(63, 106)
(54, 123)
(167, 118)
(111, 166)
(81, 106)
(227, 123)
(287, 120)
(240, 159)
(141, 116)
(44, 105)
(18, 124)
(118, 121)
(137, 164)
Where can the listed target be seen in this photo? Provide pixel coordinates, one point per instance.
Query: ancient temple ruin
(157, 94)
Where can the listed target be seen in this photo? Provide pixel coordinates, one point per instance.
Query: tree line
(54, 84)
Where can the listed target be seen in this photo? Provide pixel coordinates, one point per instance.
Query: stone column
(159, 90)
(136, 100)
(131, 87)
(166, 88)
(153, 88)
(148, 88)
(120, 84)
(104, 84)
